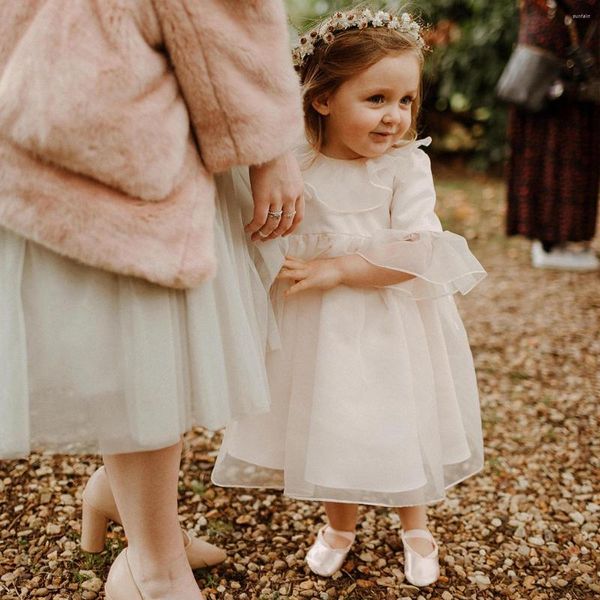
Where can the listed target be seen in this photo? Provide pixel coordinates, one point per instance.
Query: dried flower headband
(360, 19)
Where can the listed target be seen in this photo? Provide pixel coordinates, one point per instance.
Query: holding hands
(277, 188)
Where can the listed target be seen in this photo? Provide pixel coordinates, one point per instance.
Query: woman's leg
(145, 490)
(415, 517)
(343, 518)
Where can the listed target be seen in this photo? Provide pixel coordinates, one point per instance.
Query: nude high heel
(99, 508)
(120, 584)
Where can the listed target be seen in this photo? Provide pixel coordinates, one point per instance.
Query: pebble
(520, 532)
(536, 541)
(94, 585)
(481, 580)
(577, 517)
(53, 529)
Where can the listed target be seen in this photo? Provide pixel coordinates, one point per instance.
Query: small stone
(496, 523)
(520, 532)
(53, 529)
(93, 585)
(577, 517)
(536, 541)
(40, 592)
(244, 519)
(446, 595)
(481, 580)
(43, 471)
(306, 585)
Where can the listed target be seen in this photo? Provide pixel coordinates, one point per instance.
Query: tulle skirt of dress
(93, 361)
(374, 395)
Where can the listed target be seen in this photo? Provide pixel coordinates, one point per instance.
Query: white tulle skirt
(373, 391)
(92, 361)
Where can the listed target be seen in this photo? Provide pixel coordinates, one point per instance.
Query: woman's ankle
(170, 578)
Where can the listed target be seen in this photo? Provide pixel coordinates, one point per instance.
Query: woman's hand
(277, 189)
(321, 274)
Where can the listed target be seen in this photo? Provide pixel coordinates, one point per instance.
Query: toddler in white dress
(374, 396)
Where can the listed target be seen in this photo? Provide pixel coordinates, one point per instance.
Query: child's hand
(322, 274)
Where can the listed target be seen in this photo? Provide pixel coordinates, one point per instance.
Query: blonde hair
(349, 53)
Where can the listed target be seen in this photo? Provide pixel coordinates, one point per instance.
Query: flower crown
(360, 19)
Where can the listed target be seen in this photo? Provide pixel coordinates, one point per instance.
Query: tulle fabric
(374, 396)
(92, 361)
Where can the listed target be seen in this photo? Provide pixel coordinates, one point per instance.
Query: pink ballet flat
(420, 570)
(324, 560)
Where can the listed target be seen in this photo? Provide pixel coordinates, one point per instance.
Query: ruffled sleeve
(415, 243)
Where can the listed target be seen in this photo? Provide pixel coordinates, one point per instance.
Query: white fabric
(90, 360)
(374, 397)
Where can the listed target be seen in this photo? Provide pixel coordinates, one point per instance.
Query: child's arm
(325, 273)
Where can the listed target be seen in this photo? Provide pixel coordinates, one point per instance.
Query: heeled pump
(322, 558)
(99, 508)
(120, 584)
(420, 570)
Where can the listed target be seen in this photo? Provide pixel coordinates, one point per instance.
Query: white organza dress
(93, 361)
(373, 391)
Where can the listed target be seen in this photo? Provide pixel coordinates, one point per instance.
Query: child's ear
(321, 105)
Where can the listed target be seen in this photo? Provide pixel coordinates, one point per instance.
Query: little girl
(374, 397)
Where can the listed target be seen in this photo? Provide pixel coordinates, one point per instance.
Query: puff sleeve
(415, 242)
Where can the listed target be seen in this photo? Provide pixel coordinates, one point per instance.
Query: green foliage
(471, 41)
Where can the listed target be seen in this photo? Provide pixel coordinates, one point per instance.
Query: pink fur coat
(115, 113)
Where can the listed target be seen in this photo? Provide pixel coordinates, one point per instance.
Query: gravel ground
(526, 527)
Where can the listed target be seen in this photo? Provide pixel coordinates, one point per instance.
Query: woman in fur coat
(115, 116)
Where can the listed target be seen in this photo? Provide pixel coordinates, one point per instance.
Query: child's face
(371, 111)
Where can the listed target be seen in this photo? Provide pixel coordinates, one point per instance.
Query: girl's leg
(415, 517)
(342, 517)
(145, 490)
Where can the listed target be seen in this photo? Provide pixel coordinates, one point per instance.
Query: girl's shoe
(99, 508)
(324, 560)
(420, 570)
(120, 584)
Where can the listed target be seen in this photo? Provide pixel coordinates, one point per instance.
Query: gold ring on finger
(263, 235)
(275, 214)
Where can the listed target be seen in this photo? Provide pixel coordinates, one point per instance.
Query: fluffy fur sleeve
(232, 62)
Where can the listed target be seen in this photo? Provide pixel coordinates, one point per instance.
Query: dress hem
(366, 503)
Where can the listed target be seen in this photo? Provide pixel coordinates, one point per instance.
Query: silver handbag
(531, 78)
